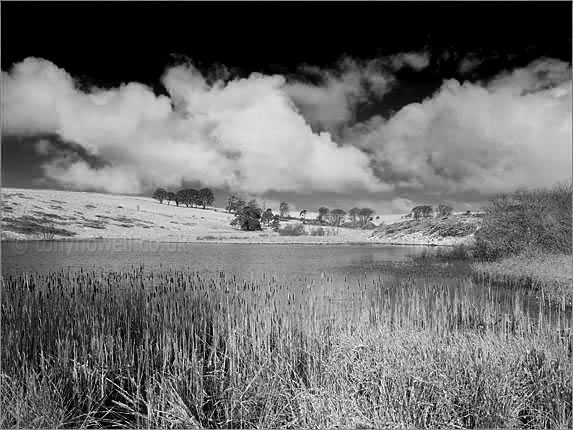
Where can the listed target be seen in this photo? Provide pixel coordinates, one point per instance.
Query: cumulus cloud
(31, 94)
(470, 137)
(415, 60)
(331, 103)
(253, 135)
(541, 74)
(469, 64)
(245, 134)
(400, 205)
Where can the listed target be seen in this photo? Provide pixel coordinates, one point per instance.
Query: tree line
(249, 215)
(425, 211)
(336, 217)
(188, 197)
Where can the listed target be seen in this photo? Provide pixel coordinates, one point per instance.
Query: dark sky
(105, 44)
(112, 42)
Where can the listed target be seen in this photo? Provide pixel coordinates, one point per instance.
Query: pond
(241, 260)
(302, 268)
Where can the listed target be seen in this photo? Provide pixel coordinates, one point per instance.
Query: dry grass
(175, 350)
(457, 229)
(92, 216)
(551, 274)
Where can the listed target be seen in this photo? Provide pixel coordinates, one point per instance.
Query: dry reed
(180, 350)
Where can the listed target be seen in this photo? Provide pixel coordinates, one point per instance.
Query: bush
(318, 232)
(247, 219)
(457, 252)
(292, 230)
(527, 220)
(48, 232)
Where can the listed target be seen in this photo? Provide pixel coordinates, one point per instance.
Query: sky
(373, 104)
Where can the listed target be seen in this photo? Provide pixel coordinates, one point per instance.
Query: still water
(241, 260)
(302, 267)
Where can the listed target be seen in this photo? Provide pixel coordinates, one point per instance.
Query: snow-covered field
(33, 214)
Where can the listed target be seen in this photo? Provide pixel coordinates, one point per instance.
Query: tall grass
(550, 274)
(178, 350)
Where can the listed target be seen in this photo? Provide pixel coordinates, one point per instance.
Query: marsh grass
(550, 274)
(178, 350)
(460, 252)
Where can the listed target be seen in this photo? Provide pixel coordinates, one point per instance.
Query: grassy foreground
(175, 350)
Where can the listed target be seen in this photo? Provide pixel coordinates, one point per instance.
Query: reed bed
(182, 350)
(550, 274)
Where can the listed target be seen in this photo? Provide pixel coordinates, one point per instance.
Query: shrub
(247, 219)
(208, 237)
(527, 220)
(457, 252)
(318, 232)
(275, 223)
(292, 230)
(48, 232)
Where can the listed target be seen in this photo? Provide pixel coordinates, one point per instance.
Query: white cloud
(332, 102)
(244, 134)
(248, 135)
(541, 74)
(415, 60)
(31, 94)
(467, 137)
(400, 205)
(468, 64)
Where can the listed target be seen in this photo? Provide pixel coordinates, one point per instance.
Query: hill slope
(456, 229)
(47, 214)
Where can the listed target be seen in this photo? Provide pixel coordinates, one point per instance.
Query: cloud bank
(245, 134)
(255, 135)
(514, 131)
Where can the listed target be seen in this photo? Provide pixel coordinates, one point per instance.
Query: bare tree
(353, 214)
(422, 211)
(267, 216)
(322, 214)
(444, 210)
(364, 215)
(206, 197)
(253, 204)
(170, 197)
(160, 194)
(337, 216)
(284, 209)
